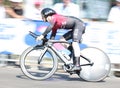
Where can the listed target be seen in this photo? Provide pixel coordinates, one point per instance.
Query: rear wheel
(38, 65)
(101, 64)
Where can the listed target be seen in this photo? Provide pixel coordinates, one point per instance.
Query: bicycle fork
(42, 54)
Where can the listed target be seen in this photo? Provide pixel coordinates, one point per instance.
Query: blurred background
(89, 9)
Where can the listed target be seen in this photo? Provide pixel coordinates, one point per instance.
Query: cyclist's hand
(39, 37)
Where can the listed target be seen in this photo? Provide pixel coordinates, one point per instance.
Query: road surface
(12, 77)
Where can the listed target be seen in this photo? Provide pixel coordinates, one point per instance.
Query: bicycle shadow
(59, 77)
(68, 77)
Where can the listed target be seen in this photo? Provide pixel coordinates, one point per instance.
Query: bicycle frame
(66, 61)
(60, 55)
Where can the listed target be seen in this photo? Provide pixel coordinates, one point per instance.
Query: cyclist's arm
(50, 28)
(53, 34)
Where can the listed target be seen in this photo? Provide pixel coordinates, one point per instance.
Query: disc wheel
(101, 64)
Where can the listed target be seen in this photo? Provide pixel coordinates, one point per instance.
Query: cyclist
(75, 25)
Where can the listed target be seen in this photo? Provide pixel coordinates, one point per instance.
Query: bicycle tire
(30, 67)
(101, 64)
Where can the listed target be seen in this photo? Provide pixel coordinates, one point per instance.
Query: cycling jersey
(76, 26)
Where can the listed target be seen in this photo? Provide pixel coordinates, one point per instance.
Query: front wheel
(38, 63)
(101, 64)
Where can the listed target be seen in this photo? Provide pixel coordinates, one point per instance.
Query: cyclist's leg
(74, 48)
(77, 35)
(76, 52)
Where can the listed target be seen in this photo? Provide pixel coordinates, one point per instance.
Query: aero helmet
(47, 12)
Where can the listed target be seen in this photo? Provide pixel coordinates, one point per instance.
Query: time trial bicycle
(40, 62)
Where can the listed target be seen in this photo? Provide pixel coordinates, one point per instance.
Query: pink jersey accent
(59, 21)
(58, 46)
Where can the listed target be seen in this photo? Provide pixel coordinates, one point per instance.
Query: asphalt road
(12, 77)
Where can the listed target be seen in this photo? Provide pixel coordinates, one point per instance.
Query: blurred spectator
(2, 10)
(114, 14)
(15, 10)
(34, 12)
(67, 7)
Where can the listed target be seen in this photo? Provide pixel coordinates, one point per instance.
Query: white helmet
(16, 0)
